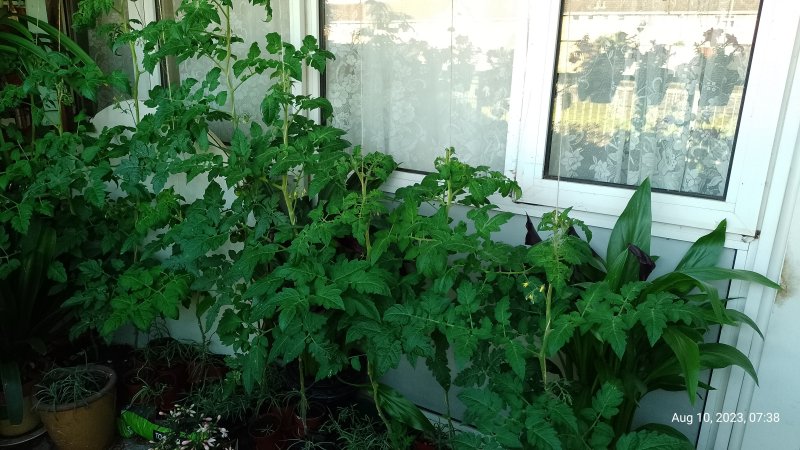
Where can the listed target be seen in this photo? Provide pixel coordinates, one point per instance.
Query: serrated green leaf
(482, 405)
(561, 332)
(652, 314)
(254, 363)
(650, 440)
(502, 312)
(515, 356)
(606, 401)
(540, 433)
(561, 414)
(329, 297)
(601, 437)
(57, 272)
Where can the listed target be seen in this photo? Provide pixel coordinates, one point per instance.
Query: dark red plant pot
(169, 397)
(134, 380)
(267, 440)
(422, 444)
(179, 373)
(315, 416)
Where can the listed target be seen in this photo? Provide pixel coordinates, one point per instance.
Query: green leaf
(716, 356)
(561, 332)
(290, 301)
(254, 363)
(561, 413)
(614, 332)
(221, 98)
(706, 251)
(650, 440)
(540, 433)
(688, 355)
(482, 406)
(502, 312)
(741, 317)
(400, 409)
(22, 220)
(329, 296)
(274, 43)
(372, 282)
(601, 437)
(719, 273)
(515, 356)
(606, 401)
(56, 272)
(652, 314)
(633, 225)
(288, 344)
(467, 295)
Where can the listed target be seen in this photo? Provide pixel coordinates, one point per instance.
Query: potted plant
(602, 333)
(48, 191)
(187, 429)
(77, 406)
(266, 432)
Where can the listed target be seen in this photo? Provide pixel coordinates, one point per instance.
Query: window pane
(650, 88)
(248, 23)
(99, 48)
(412, 77)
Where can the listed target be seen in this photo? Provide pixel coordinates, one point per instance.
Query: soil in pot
(84, 423)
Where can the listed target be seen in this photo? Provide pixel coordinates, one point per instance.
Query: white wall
(778, 391)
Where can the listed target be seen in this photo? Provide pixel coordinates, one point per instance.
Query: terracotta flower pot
(87, 424)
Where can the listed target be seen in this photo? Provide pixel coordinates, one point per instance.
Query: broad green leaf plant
(607, 335)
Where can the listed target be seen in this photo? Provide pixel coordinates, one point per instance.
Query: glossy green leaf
(716, 356)
(719, 273)
(706, 251)
(401, 409)
(633, 225)
(688, 354)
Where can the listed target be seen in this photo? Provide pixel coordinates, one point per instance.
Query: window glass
(99, 48)
(248, 23)
(412, 77)
(650, 88)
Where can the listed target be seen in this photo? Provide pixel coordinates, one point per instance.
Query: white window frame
(766, 86)
(674, 216)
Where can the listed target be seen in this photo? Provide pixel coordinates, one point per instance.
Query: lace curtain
(413, 77)
(651, 89)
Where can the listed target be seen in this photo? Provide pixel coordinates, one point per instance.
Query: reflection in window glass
(99, 48)
(247, 23)
(412, 77)
(650, 89)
